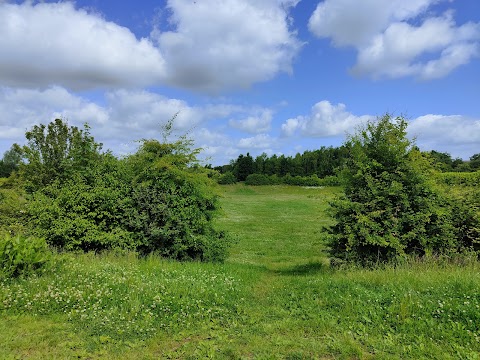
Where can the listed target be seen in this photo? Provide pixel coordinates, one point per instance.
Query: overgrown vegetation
(275, 295)
(77, 197)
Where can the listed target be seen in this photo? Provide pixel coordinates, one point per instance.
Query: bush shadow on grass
(310, 268)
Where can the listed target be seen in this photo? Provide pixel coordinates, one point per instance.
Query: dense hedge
(261, 179)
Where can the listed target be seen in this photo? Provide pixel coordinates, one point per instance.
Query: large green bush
(86, 212)
(390, 208)
(156, 200)
(174, 203)
(13, 206)
(227, 179)
(258, 179)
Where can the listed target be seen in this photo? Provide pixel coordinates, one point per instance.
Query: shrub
(156, 200)
(13, 215)
(389, 208)
(258, 179)
(21, 256)
(86, 213)
(227, 179)
(174, 203)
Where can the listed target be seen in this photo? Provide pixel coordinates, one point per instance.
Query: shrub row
(314, 180)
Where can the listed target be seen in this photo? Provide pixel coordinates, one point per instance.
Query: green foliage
(22, 256)
(156, 200)
(390, 208)
(475, 162)
(460, 178)
(11, 160)
(258, 179)
(13, 209)
(244, 166)
(86, 212)
(173, 203)
(56, 152)
(227, 179)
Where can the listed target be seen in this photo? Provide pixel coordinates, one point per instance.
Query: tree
(244, 167)
(475, 162)
(56, 151)
(11, 160)
(389, 208)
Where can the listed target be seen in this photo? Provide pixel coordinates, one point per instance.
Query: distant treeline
(323, 163)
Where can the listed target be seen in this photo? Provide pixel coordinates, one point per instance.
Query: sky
(273, 76)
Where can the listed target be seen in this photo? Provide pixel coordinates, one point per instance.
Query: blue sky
(274, 76)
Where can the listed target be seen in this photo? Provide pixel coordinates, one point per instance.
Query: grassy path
(274, 298)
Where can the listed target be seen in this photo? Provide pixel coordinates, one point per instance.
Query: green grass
(274, 298)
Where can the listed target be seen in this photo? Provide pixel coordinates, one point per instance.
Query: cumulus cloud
(260, 122)
(54, 43)
(219, 44)
(325, 119)
(393, 37)
(239, 43)
(23, 108)
(123, 117)
(260, 141)
(455, 134)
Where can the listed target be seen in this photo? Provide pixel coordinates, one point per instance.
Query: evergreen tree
(389, 208)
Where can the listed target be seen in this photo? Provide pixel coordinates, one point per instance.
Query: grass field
(274, 298)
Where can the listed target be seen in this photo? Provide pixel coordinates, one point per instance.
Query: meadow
(276, 297)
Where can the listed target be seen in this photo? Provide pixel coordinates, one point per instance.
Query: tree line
(325, 162)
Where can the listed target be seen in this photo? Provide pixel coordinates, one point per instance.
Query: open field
(275, 297)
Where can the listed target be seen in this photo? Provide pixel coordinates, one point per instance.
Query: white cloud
(219, 44)
(456, 134)
(54, 43)
(389, 41)
(124, 117)
(260, 122)
(354, 23)
(324, 120)
(214, 45)
(260, 141)
(23, 108)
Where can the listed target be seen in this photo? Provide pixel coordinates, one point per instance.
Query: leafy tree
(443, 161)
(389, 208)
(56, 152)
(156, 200)
(173, 203)
(475, 162)
(11, 160)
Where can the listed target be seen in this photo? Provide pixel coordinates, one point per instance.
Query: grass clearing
(274, 298)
